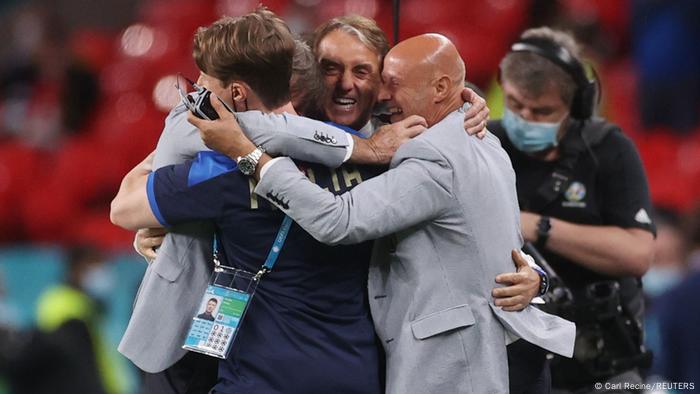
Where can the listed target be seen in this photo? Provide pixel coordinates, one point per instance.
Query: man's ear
(239, 91)
(443, 87)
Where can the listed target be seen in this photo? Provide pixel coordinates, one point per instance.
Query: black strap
(581, 137)
(571, 147)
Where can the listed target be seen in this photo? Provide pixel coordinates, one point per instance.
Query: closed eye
(362, 71)
(330, 68)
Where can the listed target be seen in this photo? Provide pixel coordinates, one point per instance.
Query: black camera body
(201, 106)
(198, 102)
(609, 334)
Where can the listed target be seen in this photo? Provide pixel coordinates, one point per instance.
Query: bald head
(431, 53)
(428, 70)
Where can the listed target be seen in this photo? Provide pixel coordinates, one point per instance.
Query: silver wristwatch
(248, 162)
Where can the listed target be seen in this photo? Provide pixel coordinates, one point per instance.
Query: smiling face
(351, 77)
(424, 76)
(402, 92)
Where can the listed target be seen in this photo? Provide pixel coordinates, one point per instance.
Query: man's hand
(224, 134)
(381, 146)
(147, 240)
(523, 285)
(476, 116)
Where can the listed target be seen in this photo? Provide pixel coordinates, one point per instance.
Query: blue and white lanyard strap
(271, 256)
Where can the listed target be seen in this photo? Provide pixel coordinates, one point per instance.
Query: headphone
(585, 97)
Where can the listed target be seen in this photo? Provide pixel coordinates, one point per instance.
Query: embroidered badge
(574, 195)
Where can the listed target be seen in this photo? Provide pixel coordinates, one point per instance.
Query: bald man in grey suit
(445, 216)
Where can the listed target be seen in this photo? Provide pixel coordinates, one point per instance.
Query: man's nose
(384, 94)
(526, 114)
(346, 82)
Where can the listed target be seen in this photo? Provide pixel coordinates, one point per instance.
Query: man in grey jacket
(174, 282)
(445, 214)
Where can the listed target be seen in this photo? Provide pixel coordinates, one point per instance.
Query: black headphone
(586, 93)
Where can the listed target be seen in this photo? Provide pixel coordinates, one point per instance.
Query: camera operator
(585, 206)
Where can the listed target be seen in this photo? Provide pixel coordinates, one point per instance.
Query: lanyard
(279, 242)
(271, 256)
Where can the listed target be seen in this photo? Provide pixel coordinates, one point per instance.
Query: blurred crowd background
(85, 87)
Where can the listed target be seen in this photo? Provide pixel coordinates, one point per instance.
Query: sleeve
(191, 191)
(179, 141)
(418, 189)
(298, 137)
(625, 193)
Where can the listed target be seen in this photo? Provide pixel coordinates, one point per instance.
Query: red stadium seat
(20, 177)
(71, 180)
(96, 48)
(670, 166)
(93, 227)
(619, 83)
(612, 16)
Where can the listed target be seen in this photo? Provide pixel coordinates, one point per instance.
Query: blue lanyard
(274, 251)
(279, 242)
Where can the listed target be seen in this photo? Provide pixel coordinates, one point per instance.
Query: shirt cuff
(152, 201)
(267, 165)
(543, 276)
(349, 148)
(530, 261)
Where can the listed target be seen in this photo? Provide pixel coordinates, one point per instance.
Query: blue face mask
(530, 136)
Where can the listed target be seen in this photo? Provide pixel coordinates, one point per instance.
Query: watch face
(246, 166)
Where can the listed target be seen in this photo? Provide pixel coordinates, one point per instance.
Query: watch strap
(250, 159)
(544, 280)
(256, 154)
(543, 227)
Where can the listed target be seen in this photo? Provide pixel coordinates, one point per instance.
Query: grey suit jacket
(172, 287)
(448, 216)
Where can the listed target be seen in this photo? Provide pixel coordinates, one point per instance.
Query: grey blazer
(446, 215)
(173, 285)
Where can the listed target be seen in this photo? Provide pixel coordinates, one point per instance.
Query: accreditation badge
(221, 312)
(226, 301)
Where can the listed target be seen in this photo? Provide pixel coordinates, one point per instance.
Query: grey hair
(365, 29)
(306, 85)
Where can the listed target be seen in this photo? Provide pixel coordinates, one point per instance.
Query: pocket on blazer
(442, 321)
(170, 265)
(191, 242)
